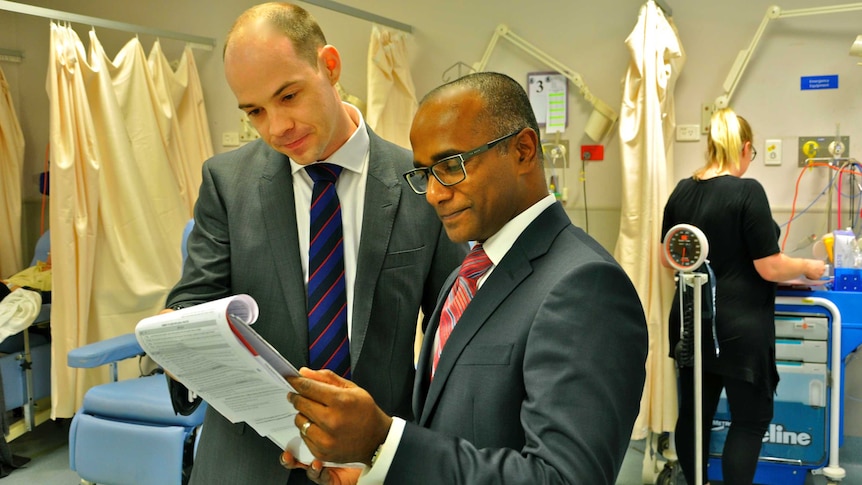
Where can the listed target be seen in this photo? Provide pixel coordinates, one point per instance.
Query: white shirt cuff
(377, 474)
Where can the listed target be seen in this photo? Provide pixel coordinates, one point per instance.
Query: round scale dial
(685, 247)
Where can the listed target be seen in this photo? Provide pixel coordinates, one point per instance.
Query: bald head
(287, 19)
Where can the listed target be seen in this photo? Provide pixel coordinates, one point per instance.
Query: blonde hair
(728, 134)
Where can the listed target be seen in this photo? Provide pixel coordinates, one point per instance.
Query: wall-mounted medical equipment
(602, 117)
(556, 160)
(831, 155)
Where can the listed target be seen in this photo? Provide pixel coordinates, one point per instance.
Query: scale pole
(698, 378)
(696, 281)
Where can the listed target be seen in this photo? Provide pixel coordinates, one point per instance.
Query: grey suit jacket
(245, 241)
(541, 379)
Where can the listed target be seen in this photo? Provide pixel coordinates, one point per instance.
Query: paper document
(213, 351)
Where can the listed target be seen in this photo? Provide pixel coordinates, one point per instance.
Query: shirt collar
(500, 243)
(351, 155)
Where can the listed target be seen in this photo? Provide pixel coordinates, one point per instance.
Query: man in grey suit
(541, 378)
(251, 232)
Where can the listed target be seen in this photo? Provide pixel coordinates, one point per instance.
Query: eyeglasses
(753, 151)
(450, 170)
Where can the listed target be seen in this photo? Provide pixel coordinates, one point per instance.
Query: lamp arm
(802, 12)
(744, 56)
(480, 66)
(502, 31)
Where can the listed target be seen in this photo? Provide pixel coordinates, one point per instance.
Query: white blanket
(18, 311)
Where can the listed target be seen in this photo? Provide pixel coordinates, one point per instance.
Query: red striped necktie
(474, 266)
(328, 346)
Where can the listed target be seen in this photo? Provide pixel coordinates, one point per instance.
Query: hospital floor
(47, 447)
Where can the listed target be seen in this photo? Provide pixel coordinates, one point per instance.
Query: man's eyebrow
(274, 95)
(444, 154)
(437, 157)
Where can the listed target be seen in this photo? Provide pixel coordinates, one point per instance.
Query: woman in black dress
(734, 215)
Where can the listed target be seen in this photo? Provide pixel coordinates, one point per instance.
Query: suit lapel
(495, 289)
(516, 266)
(279, 221)
(423, 369)
(382, 196)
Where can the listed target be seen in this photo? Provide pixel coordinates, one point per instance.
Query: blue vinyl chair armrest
(105, 352)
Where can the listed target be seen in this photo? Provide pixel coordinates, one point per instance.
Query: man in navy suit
(251, 232)
(541, 378)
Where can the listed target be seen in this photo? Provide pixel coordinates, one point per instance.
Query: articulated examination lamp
(602, 117)
(772, 13)
(856, 48)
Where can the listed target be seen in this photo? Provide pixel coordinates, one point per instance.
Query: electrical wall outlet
(230, 139)
(688, 133)
(772, 152)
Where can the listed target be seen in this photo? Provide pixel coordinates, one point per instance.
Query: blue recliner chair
(126, 432)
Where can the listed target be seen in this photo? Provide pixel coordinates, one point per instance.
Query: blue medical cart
(808, 423)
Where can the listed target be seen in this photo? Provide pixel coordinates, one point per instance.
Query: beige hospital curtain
(11, 166)
(117, 213)
(391, 95)
(182, 104)
(646, 127)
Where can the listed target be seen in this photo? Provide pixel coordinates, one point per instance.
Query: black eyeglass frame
(462, 157)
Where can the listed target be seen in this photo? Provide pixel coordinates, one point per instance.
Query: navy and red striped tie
(328, 345)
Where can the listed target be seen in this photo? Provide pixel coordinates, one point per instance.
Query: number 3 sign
(548, 95)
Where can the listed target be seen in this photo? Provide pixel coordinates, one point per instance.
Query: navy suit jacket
(541, 379)
(245, 240)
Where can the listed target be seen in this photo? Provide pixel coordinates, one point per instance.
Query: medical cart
(814, 331)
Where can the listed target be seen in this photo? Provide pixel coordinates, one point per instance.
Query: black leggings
(750, 411)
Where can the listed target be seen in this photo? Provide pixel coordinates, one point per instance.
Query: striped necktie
(328, 346)
(474, 266)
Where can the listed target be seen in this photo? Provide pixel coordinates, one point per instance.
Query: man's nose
(280, 122)
(436, 191)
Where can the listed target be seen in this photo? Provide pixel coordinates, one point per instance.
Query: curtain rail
(361, 14)
(206, 43)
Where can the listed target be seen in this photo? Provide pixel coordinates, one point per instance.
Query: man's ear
(330, 61)
(526, 144)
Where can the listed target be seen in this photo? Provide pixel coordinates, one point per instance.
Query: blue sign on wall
(819, 82)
